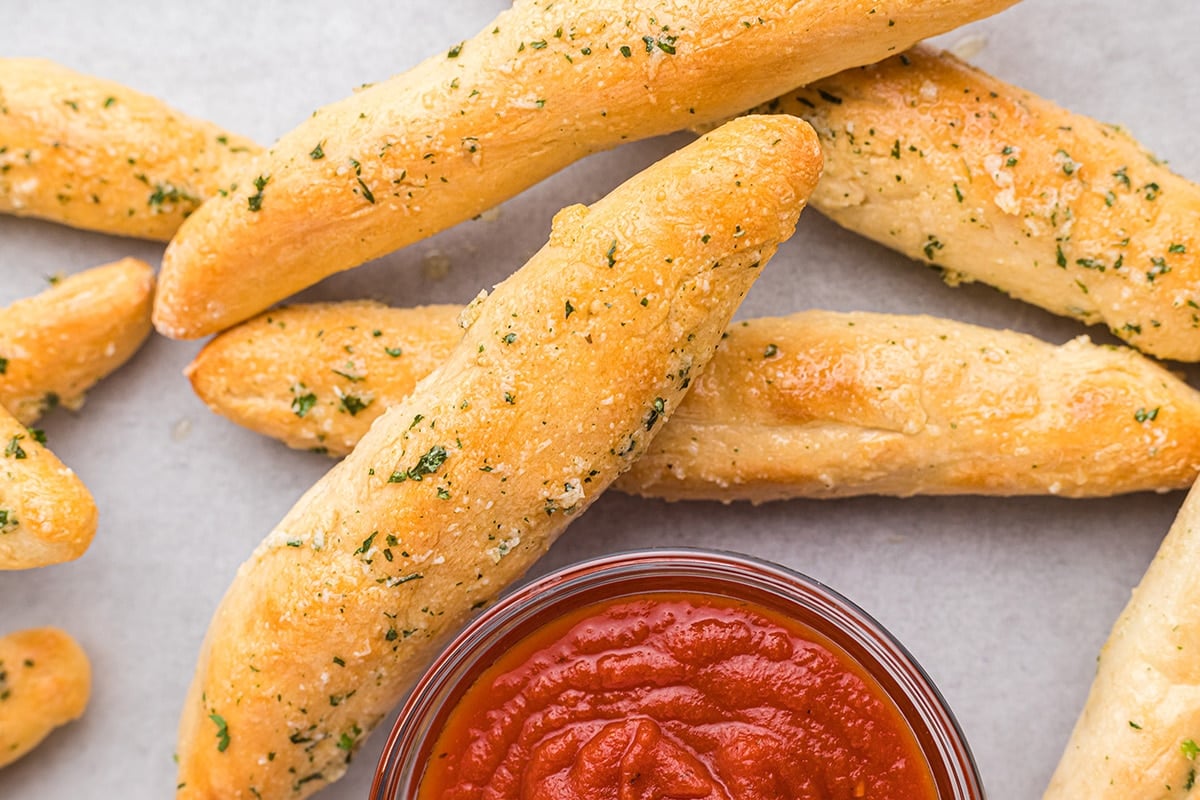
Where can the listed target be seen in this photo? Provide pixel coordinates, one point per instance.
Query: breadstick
(540, 87)
(1139, 733)
(833, 405)
(94, 154)
(288, 372)
(58, 344)
(948, 165)
(565, 373)
(818, 404)
(45, 680)
(47, 515)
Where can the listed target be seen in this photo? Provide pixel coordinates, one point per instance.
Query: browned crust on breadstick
(473, 126)
(94, 154)
(817, 404)
(56, 345)
(557, 385)
(1139, 731)
(823, 404)
(47, 515)
(949, 165)
(45, 682)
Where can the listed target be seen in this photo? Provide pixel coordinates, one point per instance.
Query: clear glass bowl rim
(611, 576)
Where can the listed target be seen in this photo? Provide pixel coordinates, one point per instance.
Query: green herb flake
(570, 309)
(1143, 415)
(302, 403)
(14, 449)
(443, 493)
(455, 51)
(366, 192)
(222, 732)
(958, 193)
(255, 200)
(1190, 749)
(352, 404)
(932, 245)
(626, 51)
(1176, 248)
(770, 351)
(394, 352)
(1134, 725)
(317, 152)
(365, 547)
(3, 366)
(427, 464)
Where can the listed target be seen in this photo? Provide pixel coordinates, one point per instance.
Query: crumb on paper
(968, 46)
(491, 215)
(181, 429)
(435, 265)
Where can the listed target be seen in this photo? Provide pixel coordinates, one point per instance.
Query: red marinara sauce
(675, 695)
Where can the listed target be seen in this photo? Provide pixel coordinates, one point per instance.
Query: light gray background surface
(1005, 602)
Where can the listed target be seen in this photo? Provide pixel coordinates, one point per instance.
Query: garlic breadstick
(565, 373)
(1138, 736)
(47, 515)
(951, 166)
(45, 681)
(56, 345)
(541, 86)
(816, 404)
(94, 154)
(823, 404)
(317, 375)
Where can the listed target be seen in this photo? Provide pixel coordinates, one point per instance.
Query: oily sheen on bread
(1138, 736)
(991, 183)
(541, 86)
(564, 374)
(45, 682)
(56, 345)
(94, 154)
(816, 404)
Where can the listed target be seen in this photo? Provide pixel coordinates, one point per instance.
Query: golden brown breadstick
(45, 680)
(47, 515)
(1139, 733)
(58, 344)
(567, 370)
(832, 405)
(818, 404)
(94, 154)
(948, 165)
(540, 87)
(316, 376)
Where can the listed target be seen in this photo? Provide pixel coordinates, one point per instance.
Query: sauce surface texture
(675, 696)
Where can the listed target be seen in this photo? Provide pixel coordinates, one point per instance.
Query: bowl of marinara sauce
(675, 674)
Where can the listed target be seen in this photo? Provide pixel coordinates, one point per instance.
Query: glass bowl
(677, 570)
